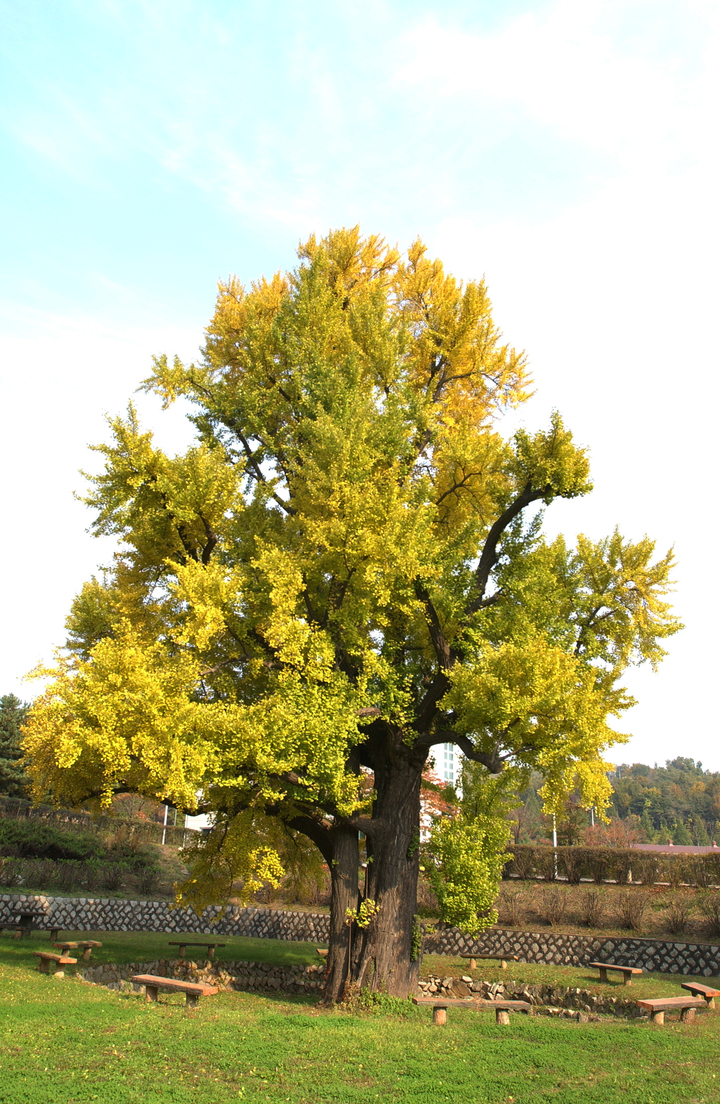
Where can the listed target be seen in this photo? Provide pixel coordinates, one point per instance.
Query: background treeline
(678, 802)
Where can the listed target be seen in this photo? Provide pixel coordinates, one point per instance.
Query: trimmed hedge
(611, 864)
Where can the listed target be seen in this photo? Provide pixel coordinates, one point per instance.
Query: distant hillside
(680, 798)
(678, 802)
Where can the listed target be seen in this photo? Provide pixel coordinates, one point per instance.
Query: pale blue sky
(566, 150)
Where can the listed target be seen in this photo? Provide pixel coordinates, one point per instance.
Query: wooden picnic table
(23, 922)
(210, 947)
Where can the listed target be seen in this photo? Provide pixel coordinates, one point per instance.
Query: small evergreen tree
(13, 780)
(681, 836)
(646, 825)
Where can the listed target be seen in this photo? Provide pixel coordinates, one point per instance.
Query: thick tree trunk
(386, 960)
(344, 867)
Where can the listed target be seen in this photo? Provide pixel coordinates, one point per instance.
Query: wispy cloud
(582, 71)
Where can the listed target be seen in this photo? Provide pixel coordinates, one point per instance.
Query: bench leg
(710, 1002)
(55, 934)
(687, 1015)
(59, 971)
(211, 952)
(603, 973)
(627, 979)
(658, 1018)
(502, 1016)
(151, 992)
(181, 951)
(503, 964)
(86, 954)
(43, 966)
(18, 933)
(192, 1000)
(439, 1016)
(473, 964)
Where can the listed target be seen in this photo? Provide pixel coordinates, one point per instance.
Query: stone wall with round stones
(108, 914)
(699, 959)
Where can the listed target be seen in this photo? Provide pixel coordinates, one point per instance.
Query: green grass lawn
(122, 947)
(66, 1042)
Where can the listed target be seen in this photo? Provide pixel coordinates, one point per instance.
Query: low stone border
(253, 977)
(546, 999)
(263, 977)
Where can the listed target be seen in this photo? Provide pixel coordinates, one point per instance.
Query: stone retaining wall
(107, 914)
(699, 959)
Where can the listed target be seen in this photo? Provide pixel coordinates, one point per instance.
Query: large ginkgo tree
(345, 571)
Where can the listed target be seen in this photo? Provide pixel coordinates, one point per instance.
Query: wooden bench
(628, 972)
(86, 944)
(687, 1007)
(503, 1009)
(705, 991)
(209, 947)
(502, 959)
(57, 962)
(192, 990)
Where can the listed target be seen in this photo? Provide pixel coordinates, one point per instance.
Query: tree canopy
(344, 571)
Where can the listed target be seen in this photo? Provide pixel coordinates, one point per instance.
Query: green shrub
(35, 839)
(593, 906)
(679, 910)
(552, 905)
(633, 906)
(709, 904)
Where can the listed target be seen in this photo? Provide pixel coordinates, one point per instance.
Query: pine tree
(13, 780)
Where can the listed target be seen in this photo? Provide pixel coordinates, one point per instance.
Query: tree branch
(489, 556)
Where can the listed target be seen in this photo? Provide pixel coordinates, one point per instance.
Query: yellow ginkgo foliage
(346, 570)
